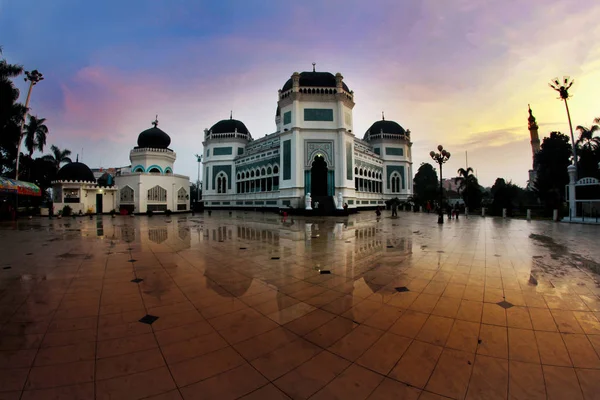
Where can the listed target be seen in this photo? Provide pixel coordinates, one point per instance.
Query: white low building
(313, 154)
(76, 187)
(150, 184)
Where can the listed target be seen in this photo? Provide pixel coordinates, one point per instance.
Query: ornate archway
(318, 176)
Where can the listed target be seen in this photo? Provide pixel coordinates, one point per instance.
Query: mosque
(148, 184)
(313, 159)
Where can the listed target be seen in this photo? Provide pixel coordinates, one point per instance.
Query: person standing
(394, 209)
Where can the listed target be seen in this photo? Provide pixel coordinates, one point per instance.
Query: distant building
(76, 186)
(535, 148)
(313, 151)
(150, 183)
(450, 184)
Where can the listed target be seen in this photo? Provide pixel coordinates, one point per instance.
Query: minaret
(533, 133)
(535, 147)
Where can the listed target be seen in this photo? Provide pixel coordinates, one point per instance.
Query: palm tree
(58, 156)
(464, 175)
(586, 137)
(466, 181)
(35, 134)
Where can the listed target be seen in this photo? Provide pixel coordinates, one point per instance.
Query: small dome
(75, 172)
(315, 79)
(229, 126)
(154, 138)
(384, 126)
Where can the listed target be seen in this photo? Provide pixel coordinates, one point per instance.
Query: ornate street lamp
(33, 77)
(440, 158)
(563, 89)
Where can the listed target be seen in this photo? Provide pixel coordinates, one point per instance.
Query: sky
(455, 72)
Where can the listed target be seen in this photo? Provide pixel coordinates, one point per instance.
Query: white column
(572, 170)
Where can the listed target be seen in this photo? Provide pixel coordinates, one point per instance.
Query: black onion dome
(384, 126)
(229, 126)
(154, 138)
(75, 171)
(315, 79)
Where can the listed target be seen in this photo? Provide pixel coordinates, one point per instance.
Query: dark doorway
(318, 177)
(98, 203)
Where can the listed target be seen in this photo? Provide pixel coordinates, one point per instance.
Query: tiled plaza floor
(250, 307)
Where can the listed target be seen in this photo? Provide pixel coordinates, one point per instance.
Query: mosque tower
(535, 146)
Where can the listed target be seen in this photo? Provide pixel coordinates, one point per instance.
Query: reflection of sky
(460, 72)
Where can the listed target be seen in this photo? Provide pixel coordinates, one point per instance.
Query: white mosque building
(149, 184)
(312, 157)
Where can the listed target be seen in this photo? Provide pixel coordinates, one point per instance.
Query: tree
(552, 161)
(35, 134)
(426, 184)
(58, 157)
(588, 151)
(507, 195)
(468, 186)
(11, 116)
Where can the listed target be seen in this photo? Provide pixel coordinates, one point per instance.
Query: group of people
(453, 212)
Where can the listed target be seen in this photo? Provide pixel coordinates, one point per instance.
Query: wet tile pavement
(237, 305)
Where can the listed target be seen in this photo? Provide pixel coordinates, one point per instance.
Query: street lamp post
(33, 77)
(440, 158)
(199, 159)
(563, 89)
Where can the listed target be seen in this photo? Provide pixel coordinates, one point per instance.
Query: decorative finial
(314, 64)
(155, 122)
(382, 116)
(231, 114)
(77, 158)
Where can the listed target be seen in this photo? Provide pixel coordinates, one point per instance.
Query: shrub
(66, 211)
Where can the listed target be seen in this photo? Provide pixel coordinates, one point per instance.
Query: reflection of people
(428, 206)
(378, 212)
(345, 206)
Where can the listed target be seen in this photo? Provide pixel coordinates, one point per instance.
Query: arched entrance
(318, 177)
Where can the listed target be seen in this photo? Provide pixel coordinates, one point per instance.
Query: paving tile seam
(71, 280)
(153, 332)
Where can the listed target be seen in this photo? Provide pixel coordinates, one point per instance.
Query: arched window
(252, 174)
(395, 182)
(263, 172)
(127, 194)
(221, 183)
(355, 170)
(154, 171)
(360, 172)
(157, 194)
(276, 169)
(269, 171)
(239, 176)
(181, 195)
